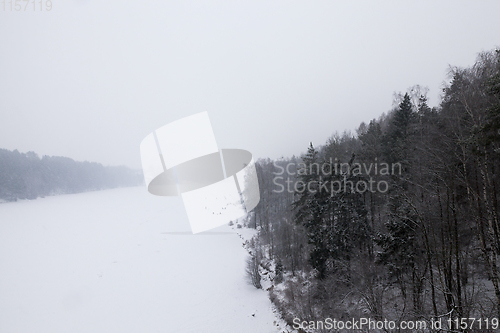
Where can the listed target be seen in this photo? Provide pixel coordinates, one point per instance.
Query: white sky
(90, 79)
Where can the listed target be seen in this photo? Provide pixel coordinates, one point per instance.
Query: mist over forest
(27, 176)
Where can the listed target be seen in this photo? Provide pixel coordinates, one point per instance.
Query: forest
(427, 247)
(27, 176)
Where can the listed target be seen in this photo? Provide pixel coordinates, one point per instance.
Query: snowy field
(121, 261)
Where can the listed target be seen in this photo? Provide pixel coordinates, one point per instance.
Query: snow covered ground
(121, 261)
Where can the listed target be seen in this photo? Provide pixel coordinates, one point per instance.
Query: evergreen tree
(308, 210)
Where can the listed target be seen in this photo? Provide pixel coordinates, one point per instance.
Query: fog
(90, 79)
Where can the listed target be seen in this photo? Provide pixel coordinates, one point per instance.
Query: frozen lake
(121, 261)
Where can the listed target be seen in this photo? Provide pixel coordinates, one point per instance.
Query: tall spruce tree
(401, 246)
(308, 210)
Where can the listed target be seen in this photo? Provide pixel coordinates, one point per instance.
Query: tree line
(27, 176)
(427, 247)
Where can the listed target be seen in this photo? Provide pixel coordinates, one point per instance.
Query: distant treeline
(27, 176)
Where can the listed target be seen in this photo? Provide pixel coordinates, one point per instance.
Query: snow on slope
(121, 261)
